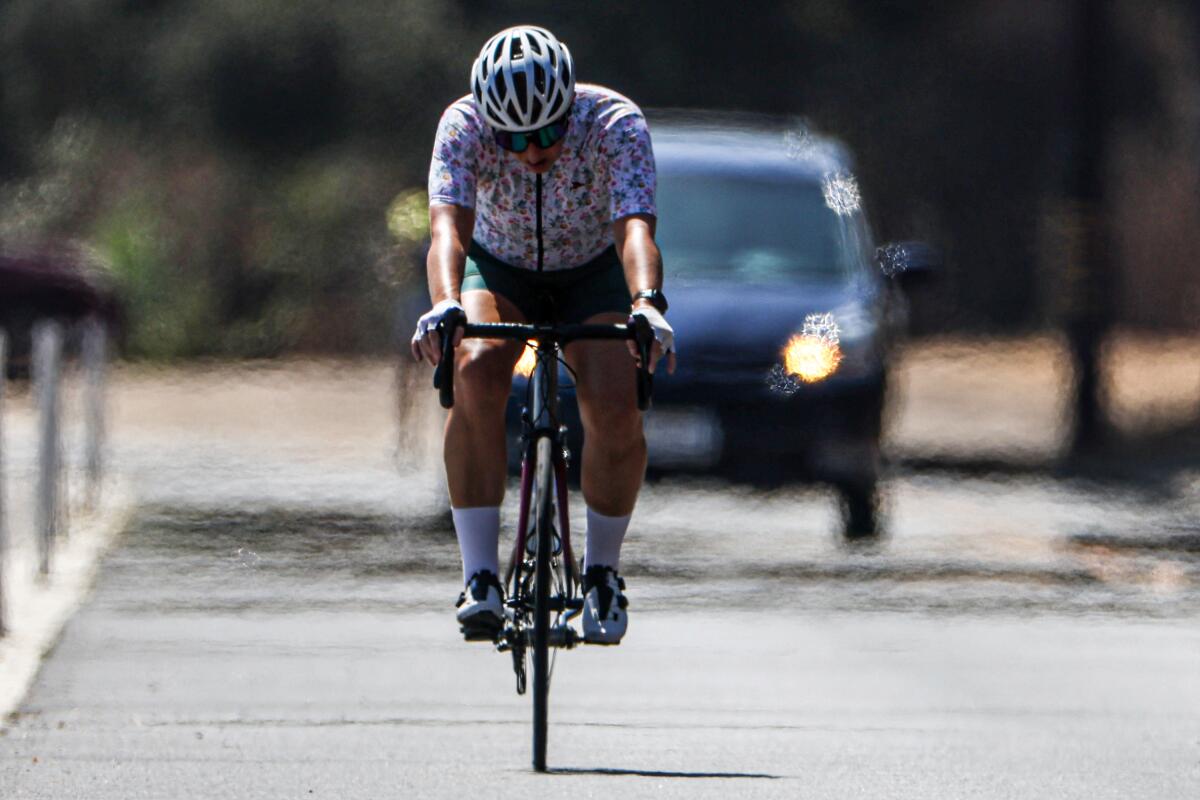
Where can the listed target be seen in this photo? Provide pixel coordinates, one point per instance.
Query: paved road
(304, 654)
(1016, 637)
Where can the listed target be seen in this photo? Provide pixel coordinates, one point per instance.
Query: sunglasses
(545, 136)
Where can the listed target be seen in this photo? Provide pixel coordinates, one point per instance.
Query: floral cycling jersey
(605, 172)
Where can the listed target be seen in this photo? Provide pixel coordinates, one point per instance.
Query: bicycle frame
(540, 423)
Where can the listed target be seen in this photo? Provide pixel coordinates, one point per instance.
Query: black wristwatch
(656, 298)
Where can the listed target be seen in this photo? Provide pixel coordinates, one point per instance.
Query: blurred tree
(280, 97)
(273, 135)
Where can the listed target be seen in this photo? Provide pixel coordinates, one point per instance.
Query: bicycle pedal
(598, 644)
(480, 631)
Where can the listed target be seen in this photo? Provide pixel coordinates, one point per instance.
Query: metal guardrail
(47, 378)
(50, 488)
(94, 360)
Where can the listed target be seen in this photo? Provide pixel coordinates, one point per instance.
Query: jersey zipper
(541, 246)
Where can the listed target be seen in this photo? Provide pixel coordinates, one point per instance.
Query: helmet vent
(523, 79)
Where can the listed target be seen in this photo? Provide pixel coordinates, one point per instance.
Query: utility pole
(1090, 277)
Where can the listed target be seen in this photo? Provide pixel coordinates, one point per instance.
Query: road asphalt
(324, 663)
(275, 621)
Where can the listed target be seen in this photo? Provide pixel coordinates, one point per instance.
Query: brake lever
(643, 335)
(443, 373)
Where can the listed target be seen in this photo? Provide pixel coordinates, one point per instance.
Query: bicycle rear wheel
(542, 582)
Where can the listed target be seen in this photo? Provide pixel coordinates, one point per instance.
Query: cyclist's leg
(475, 462)
(614, 452)
(474, 441)
(614, 462)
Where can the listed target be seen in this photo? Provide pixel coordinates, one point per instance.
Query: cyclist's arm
(450, 229)
(634, 237)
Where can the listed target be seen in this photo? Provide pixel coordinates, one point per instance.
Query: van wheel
(859, 503)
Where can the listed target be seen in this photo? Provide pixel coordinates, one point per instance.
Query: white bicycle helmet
(523, 79)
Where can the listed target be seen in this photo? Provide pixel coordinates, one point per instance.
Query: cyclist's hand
(426, 343)
(664, 337)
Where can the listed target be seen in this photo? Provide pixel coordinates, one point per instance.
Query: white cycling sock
(604, 538)
(478, 531)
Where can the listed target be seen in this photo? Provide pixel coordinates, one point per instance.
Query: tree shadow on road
(652, 773)
(1147, 461)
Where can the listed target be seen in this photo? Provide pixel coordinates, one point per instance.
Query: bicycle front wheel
(544, 522)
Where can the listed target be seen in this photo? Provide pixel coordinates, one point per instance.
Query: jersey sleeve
(453, 169)
(625, 144)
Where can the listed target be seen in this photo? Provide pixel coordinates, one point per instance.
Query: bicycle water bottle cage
(531, 544)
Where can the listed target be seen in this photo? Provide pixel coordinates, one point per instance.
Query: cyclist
(540, 188)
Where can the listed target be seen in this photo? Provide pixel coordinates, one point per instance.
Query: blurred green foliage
(233, 161)
(173, 309)
(253, 168)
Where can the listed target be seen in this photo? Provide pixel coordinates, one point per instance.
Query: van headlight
(811, 358)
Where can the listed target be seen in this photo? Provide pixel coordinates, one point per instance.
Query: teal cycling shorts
(566, 295)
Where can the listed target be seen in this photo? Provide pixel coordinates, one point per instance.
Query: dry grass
(1009, 397)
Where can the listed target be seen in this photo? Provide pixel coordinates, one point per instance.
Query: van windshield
(750, 229)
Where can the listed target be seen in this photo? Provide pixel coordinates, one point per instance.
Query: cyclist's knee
(619, 424)
(483, 374)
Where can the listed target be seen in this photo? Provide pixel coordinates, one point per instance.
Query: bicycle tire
(544, 511)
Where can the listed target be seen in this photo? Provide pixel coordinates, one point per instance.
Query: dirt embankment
(1010, 398)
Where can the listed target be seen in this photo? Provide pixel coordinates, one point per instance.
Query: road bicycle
(543, 580)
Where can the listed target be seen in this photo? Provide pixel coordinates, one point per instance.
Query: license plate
(683, 437)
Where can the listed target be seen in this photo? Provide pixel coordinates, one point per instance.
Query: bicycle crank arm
(557, 605)
(561, 636)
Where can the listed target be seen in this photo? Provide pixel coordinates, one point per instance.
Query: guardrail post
(3, 483)
(95, 361)
(47, 373)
